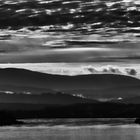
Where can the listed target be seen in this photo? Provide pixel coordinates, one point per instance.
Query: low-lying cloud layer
(38, 47)
(79, 68)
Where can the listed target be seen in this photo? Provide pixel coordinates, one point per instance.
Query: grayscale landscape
(69, 69)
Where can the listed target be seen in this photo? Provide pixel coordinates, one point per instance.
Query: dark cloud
(131, 72)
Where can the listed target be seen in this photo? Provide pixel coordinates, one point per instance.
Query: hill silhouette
(95, 85)
(43, 99)
(40, 95)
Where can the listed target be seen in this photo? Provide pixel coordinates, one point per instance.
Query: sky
(68, 47)
(58, 53)
(38, 47)
(77, 68)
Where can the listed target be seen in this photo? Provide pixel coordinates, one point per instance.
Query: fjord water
(73, 129)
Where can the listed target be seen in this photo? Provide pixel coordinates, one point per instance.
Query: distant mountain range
(29, 94)
(108, 85)
(43, 99)
(53, 87)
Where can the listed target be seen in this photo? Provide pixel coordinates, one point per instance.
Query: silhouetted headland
(137, 120)
(8, 119)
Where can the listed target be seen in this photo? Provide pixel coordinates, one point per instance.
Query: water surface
(73, 129)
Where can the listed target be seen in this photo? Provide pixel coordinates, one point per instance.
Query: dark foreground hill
(94, 110)
(93, 86)
(8, 119)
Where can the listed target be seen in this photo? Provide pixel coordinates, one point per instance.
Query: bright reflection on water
(109, 131)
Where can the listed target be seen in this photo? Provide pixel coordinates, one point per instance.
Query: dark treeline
(103, 110)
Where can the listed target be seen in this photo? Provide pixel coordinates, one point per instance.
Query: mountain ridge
(108, 85)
